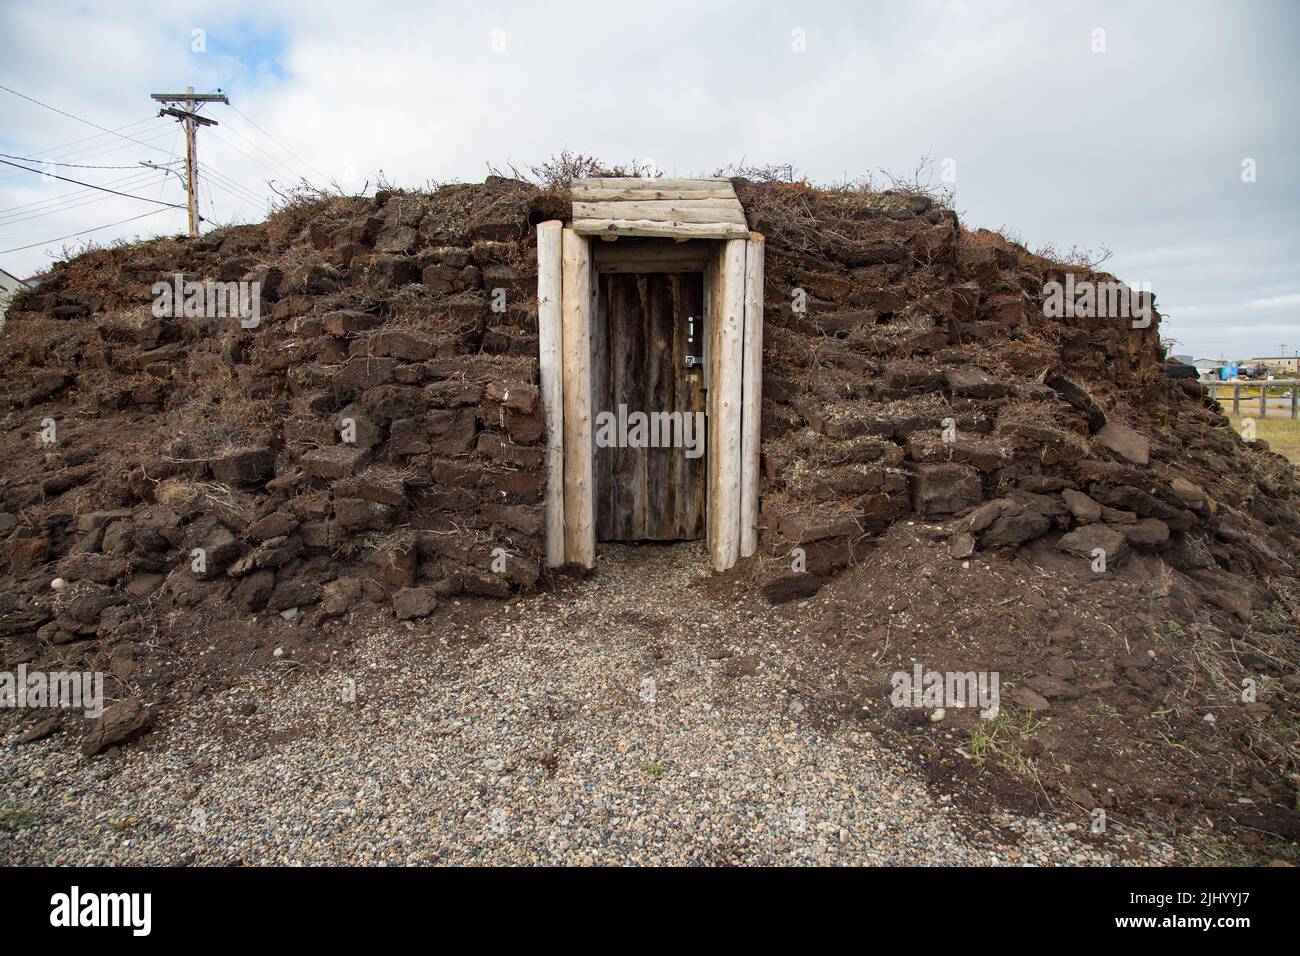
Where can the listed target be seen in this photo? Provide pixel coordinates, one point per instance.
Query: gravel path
(614, 723)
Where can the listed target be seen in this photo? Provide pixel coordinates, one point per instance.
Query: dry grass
(1282, 434)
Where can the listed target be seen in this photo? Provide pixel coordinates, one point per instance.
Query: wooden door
(639, 347)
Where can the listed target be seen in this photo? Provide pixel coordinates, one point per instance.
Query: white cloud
(1291, 299)
(1135, 148)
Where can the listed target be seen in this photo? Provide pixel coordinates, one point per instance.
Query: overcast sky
(1138, 147)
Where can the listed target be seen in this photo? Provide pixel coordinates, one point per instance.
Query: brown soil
(965, 555)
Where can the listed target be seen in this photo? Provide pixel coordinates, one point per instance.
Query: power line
(91, 185)
(103, 149)
(49, 162)
(75, 203)
(72, 116)
(66, 197)
(279, 162)
(95, 197)
(239, 189)
(254, 159)
(323, 177)
(57, 150)
(213, 181)
(82, 233)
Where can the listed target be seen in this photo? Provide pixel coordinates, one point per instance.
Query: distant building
(1289, 364)
(9, 284)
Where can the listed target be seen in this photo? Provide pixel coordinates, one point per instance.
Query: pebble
(724, 769)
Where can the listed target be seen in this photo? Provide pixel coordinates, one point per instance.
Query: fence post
(1295, 399)
(1263, 399)
(1236, 400)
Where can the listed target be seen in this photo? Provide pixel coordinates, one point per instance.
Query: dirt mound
(376, 438)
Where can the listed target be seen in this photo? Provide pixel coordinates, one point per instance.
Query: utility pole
(191, 121)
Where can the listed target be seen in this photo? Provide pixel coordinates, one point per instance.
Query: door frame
(567, 293)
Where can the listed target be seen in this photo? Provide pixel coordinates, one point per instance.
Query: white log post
(752, 396)
(725, 403)
(579, 507)
(550, 334)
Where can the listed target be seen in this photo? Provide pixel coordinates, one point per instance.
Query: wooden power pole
(192, 121)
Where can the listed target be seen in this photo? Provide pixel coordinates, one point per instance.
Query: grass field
(1282, 434)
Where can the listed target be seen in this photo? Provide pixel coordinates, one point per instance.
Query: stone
(333, 461)
(1146, 533)
(244, 466)
(1078, 396)
(515, 395)
(397, 239)
(100, 568)
(274, 525)
(1084, 509)
(358, 514)
(987, 513)
(971, 382)
(1130, 445)
(86, 608)
(293, 593)
(451, 431)
(385, 486)
(94, 520)
(23, 554)
(1115, 516)
(348, 322)
(1029, 700)
(117, 723)
(1014, 528)
(411, 603)
(494, 446)
(402, 344)
(143, 584)
(254, 591)
(340, 596)
(220, 547)
(117, 537)
(40, 730)
(1190, 494)
(1084, 540)
(395, 564)
(961, 545)
(364, 371)
(944, 488)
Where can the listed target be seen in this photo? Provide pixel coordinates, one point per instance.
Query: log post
(727, 358)
(579, 506)
(751, 396)
(550, 334)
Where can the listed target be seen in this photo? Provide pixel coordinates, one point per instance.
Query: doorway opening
(648, 397)
(650, 306)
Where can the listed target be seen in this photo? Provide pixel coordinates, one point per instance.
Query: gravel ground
(607, 723)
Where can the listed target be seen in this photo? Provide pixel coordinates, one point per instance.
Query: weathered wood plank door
(639, 352)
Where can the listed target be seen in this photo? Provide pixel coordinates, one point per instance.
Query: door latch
(692, 361)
